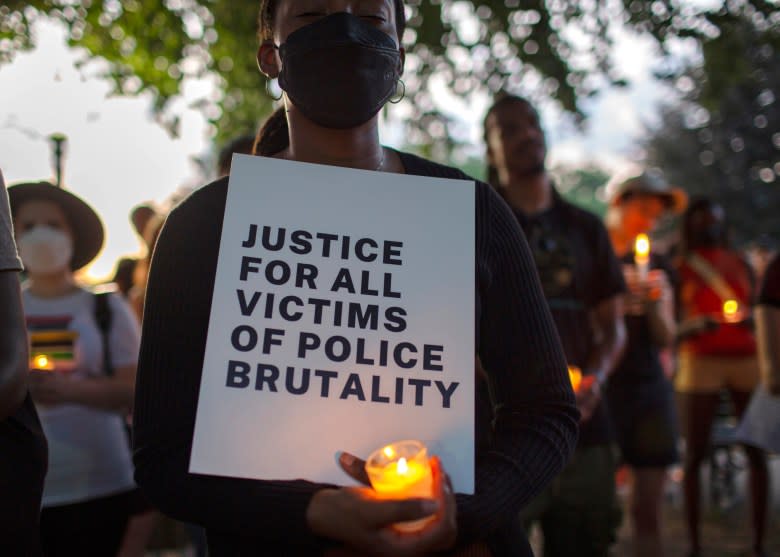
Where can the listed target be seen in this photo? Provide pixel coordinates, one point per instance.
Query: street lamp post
(58, 141)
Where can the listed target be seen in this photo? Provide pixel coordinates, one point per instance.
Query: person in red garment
(717, 351)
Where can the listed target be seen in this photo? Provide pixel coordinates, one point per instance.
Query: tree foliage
(723, 139)
(540, 48)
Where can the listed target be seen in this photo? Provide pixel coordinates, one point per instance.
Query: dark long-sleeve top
(524, 436)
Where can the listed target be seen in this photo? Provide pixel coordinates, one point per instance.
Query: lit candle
(731, 311)
(642, 256)
(575, 375)
(42, 362)
(402, 471)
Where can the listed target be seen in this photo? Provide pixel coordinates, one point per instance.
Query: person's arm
(13, 334)
(695, 326)
(536, 418)
(13, 345)
(767, 316)
(660, 310)
(768, 337)
(610, 330)
(112, 394)
(605, 298)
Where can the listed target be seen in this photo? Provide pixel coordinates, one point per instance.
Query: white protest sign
(342, 319)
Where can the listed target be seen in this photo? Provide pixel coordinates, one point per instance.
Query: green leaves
(722, 140)
(538, 48)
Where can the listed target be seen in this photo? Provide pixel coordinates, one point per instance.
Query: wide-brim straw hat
(648, 183)
(88, 232)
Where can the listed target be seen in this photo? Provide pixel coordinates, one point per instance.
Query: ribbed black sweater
(523, 440)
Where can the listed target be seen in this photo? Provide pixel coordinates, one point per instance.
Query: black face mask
(339, 71)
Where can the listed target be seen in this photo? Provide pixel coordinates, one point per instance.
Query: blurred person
(84, 385)
(768, 327)
(140, 215)
(760, 425)
(23, 454)
(583, 284)
(137, 295)
(130, 281)
(348, 52)
(641, 398)
(717, 351)
(150, 524)
(759, 254)
(125, 268)
(244, 144)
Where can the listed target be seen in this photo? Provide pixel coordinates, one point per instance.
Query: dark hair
(243, 144)
(698, 205)
(501, 100)
(265, 19)
(274, 135)
(124, 273)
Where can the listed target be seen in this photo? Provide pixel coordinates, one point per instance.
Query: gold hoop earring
(402, 95)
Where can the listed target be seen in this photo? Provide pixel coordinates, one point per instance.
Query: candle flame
(389, 452)
(730, 308)
(403, 467)
(575, 375)
(642, 246)
(41, 361)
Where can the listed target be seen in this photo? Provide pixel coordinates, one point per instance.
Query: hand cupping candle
(402, 470)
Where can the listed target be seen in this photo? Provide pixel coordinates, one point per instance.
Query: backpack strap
(103, 319)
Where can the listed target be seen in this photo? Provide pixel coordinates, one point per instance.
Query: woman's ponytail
(274, 136)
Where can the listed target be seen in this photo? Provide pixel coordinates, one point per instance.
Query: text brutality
(401, 372)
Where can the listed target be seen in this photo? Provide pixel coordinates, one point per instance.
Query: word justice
(302, 242)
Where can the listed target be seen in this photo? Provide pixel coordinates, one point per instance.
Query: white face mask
(45, 250)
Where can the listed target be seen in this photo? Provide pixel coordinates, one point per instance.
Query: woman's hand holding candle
(587, 392)
(588, 396)
(363, 521)
(642, 256)
(50, 387)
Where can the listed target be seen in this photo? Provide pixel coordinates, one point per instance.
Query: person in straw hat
(640, 394)
(82, 373)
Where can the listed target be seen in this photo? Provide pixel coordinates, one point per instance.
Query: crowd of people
(593, 352)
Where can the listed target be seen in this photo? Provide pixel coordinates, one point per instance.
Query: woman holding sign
(338, 63)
